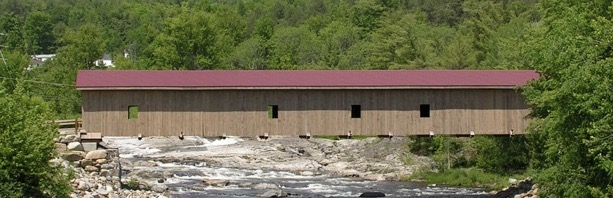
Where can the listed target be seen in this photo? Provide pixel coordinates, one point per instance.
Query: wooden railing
(77, 123)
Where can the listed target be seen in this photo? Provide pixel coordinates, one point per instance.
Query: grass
(466, 177)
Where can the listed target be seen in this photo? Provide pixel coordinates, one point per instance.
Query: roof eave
(294, 88)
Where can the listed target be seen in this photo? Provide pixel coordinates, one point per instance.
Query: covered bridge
(251, 103)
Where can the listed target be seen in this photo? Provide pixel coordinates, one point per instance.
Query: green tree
(82, 46)
(188, 41)
(26, 146)
(10, 27)
(38, 34)
(572, 101)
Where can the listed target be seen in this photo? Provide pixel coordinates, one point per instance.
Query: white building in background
(43, 57)
(38, 60)
(106, 61)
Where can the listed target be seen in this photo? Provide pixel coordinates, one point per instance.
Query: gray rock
(91, 168)
(83, 185)
(102, 191)
(57, 162)
(101, 161)
(307, 173)
(105, 173)
(107, 166)
(75, 146)
(60, 147)
(372, 194)
(159, 188)
(375, 177)
(72, 156)
(261, 186)
(86, 162)
(274, 193)
(97, 154)
(70, 138)
(145, 163)
(216, 182)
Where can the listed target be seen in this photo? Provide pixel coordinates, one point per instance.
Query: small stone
(72, 156)
(513, 181)
(101, 161)
(372, 194)
(307, 173)
(60, 147)
(216, 182)
(109, 188)
(70, 138)
(102, 191)
(261, 186)
(83, 186)
(374, 177)
(105, 173)
(145, 163)
(274, 193)
(75, 146)
(97, 154)
(86, 162)
(56, 162)
(159, 188)
(107, 166)
(91, 168)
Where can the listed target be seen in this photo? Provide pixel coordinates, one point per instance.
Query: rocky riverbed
(293, 167)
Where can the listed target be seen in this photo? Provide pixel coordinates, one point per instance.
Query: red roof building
(112, 79)
(292, 103)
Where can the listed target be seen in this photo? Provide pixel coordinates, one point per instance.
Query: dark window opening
(356, 111)
(132, 112)
(273, 111)
(424, 110)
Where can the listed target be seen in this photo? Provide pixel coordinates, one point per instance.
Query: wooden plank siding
(319, 112)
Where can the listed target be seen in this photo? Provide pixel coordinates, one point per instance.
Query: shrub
(26, 146)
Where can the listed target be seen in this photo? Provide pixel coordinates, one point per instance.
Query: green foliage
(132, 184)
(26, 146)
(499, 155)
(502, 154)
(572, 102)
(466, 177)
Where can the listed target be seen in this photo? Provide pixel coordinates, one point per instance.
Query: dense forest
(280, 34)
(568, 42)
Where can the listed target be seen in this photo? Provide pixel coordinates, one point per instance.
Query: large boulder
(97, 154)
(75, 146)
(274, 193)
(72, 156)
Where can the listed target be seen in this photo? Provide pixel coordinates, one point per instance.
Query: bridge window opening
(356, 111)
(424, 110)
(273, 111)
(132, 112)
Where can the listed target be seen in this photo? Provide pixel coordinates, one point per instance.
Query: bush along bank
(492, 163)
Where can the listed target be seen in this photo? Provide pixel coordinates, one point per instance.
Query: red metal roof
(109, 79)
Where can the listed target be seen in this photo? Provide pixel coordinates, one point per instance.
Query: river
(184, 177)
